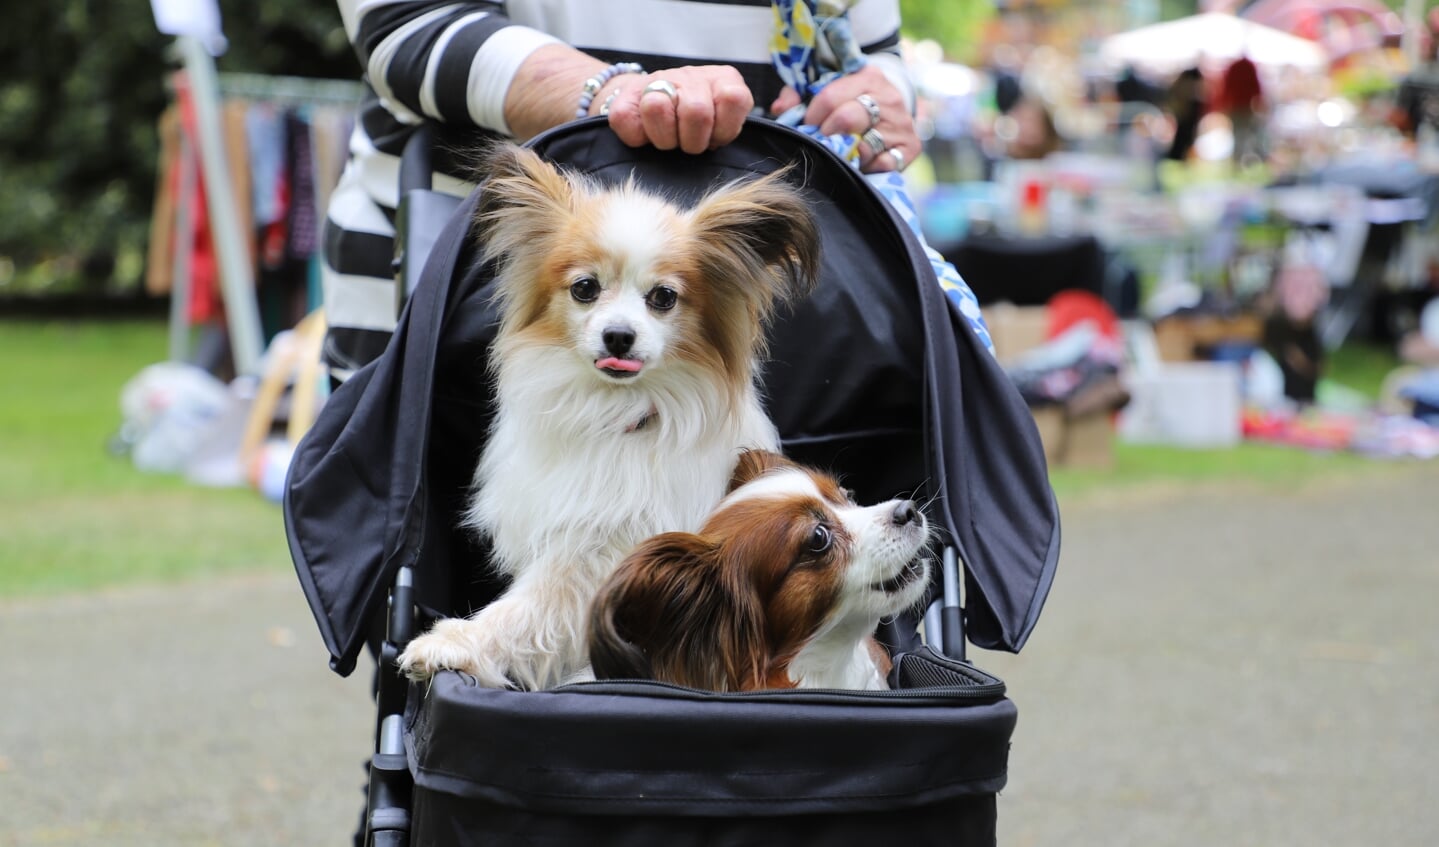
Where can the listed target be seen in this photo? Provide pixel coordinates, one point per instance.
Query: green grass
(72, 516)
(75, 518)
(1360, 368)
(1273, 466)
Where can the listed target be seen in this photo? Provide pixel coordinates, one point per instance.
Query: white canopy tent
(1210, 38)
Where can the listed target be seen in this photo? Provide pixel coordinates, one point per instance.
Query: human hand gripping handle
(693, 108)
(550, 88)
(838, 110)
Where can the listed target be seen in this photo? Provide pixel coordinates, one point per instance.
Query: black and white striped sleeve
(451, 62)
(875, 24)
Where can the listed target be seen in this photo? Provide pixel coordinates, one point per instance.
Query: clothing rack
(291, 90)
(208, 89)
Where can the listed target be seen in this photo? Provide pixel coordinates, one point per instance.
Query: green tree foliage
(82, 85)
(956, 24)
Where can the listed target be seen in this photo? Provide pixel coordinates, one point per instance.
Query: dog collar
(644, 421)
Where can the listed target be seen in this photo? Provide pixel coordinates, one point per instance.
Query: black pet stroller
(876, 376)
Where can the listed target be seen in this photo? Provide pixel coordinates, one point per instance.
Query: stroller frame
(425, 218)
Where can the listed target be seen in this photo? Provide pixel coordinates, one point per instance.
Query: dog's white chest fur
(568, 484)
(579, 493)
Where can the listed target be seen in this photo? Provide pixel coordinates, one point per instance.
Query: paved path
(202, 714)
(1221, 667)
(1231, 668)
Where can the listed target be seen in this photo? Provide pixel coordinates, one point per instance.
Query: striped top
(452, 64)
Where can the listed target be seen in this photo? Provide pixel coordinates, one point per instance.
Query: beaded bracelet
(596, 82)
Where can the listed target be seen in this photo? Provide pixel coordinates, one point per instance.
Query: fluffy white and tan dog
(624, 365)
(783, 587)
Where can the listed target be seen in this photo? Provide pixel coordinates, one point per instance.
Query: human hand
(707, 110)
(836, 110)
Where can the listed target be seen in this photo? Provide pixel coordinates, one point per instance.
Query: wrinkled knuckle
(695, 113)
(653, 107)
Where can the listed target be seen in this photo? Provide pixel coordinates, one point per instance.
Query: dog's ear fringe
(754, 463)
(519, 193)
(667, 614)
(770, 217)
(623, 611)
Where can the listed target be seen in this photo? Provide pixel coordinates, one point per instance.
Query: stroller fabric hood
(876, 376)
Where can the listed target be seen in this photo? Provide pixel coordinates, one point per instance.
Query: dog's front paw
(451, 645)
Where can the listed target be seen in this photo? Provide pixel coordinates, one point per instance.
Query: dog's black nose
(904, 513)
(618, 339)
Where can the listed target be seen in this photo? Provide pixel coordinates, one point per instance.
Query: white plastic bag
(168, 409)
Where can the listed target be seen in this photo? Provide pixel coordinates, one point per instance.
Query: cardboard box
(1015, 329)
(1186, 338)
(1086, 442)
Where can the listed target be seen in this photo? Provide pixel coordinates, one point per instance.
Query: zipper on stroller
(959, 694)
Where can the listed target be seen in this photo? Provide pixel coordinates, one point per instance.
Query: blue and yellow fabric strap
(812, 45)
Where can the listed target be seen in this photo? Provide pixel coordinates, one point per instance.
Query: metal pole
(236, 280)
(180, 265)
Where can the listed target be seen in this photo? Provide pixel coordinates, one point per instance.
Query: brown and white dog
(783, 587)
(624, 367)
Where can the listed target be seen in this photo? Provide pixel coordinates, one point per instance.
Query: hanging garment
(302, 218)
(205, 297)
(159, 264)
(237, 158)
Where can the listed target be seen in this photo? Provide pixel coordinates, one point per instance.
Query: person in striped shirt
(480, 70)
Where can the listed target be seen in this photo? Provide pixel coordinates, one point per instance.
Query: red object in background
(205, 303)
(1032, 196)
(1074, 305)
(1239, 87)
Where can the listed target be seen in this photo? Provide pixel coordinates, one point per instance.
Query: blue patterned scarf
(812, 45)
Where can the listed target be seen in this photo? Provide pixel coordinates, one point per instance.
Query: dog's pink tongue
(613, 364)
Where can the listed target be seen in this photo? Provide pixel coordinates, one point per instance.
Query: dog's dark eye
(662, 298)
(820, 539)
(585, 289)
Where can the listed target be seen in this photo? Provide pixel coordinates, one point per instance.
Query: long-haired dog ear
(771, 220)
(668, 613)
(753, 463)
(522, 196)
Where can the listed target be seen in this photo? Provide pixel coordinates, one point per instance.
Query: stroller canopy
(876, 376)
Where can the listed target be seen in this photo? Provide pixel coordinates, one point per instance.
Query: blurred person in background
(1241, 99)
(1291, 332)
(1028, 130)
(1186, 102)
(1416, 106)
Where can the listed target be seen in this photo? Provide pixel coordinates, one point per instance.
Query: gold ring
(662, 86)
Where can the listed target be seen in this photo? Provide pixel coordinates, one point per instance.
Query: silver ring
(869, 106)
(898, 155)
(662, 86)
(874, 140)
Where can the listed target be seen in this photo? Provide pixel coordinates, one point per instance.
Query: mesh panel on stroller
(875, 376)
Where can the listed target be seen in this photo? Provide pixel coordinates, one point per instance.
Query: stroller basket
(643, 762)
(876, 376)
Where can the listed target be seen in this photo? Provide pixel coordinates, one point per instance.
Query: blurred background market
(1233, 203)
(1205, 237)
